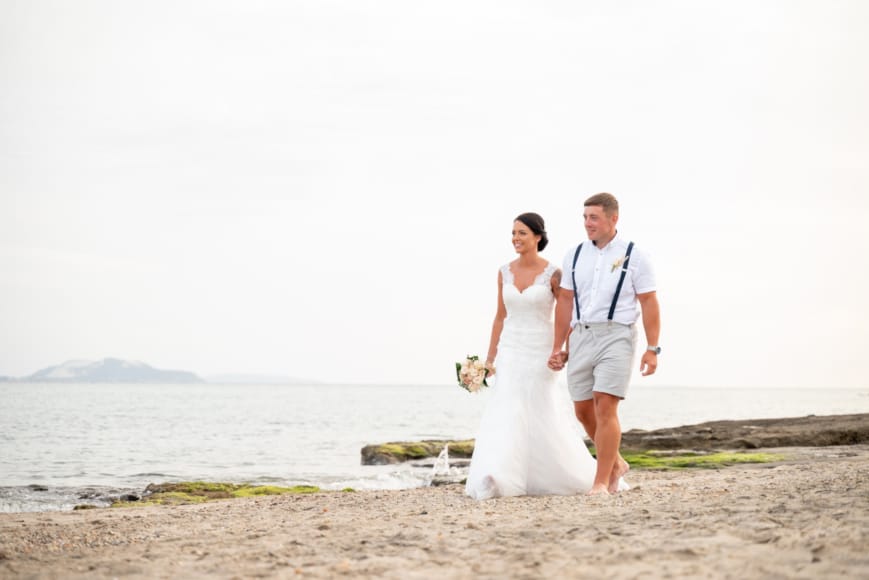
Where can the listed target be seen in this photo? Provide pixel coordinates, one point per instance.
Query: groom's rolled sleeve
(643, 277)
(567, 270)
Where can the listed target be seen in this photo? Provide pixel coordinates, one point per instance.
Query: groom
(605, 283)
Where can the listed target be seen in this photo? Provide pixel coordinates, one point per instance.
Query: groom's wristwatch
(654, 349)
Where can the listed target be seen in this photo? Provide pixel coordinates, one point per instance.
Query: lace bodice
(529, 442)
(532, 306)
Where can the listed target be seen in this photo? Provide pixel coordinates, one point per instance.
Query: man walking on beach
(606, 282)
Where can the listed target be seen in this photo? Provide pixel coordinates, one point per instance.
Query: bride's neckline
(533, 280)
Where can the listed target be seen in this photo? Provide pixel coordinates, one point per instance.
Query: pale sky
(325, 190)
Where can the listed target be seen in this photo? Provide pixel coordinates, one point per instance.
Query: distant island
(115, 370)
(257, 379)
(108, 370)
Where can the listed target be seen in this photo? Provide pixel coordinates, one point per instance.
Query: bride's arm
(497, 326)
(555, 283)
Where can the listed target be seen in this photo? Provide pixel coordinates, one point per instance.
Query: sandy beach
(807, 517)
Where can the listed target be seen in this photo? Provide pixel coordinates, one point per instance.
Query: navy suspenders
(618, 288)
(621, 281)
(573, 277)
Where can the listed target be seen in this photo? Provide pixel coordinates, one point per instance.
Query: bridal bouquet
(471, 374)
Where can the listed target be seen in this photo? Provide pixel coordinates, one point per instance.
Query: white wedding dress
(529, 442)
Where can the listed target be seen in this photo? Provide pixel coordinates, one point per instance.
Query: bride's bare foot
(599, 489)
(491, 486)
(619, 471)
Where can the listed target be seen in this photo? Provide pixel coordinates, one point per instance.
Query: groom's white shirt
(597, 276)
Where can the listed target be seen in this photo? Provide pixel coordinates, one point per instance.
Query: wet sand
(804, 518)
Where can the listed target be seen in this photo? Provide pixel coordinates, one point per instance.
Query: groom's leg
(612, 377)
(608, 438)
(580, 378)
(584, 411)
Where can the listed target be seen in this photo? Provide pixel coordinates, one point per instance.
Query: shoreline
(805, 517)
(414, 459)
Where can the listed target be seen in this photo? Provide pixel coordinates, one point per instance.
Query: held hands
(557, 360)
(648, 363)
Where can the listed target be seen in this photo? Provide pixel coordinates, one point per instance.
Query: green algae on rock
(689, 459)
(191, 492)
(397, 451)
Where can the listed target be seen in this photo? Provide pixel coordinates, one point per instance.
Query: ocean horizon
(63, 444)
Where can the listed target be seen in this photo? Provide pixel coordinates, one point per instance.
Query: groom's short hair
(607, 201)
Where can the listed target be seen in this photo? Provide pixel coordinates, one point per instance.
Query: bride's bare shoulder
(555, 280)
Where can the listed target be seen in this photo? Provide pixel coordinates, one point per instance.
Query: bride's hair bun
(535, 223)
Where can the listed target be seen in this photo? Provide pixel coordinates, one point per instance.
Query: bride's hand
(557, 360)
(490, 366)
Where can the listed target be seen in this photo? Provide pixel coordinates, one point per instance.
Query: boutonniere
(617, 264)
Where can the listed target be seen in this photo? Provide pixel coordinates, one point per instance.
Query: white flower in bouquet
(471, 374)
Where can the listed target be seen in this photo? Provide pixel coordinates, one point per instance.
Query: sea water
(65, 444)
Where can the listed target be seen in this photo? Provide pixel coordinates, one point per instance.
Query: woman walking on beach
(528, 442)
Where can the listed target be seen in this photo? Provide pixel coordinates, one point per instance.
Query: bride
(528, 442)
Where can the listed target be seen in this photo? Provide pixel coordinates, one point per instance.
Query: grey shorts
(601, 359)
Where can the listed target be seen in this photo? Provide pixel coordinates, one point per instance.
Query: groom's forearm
(651, 312)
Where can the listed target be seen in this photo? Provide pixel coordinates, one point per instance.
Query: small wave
(39, 498)
(265, 479)
(392, 481)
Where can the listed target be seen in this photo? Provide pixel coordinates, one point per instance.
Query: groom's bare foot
(619, 471)
(599, 489)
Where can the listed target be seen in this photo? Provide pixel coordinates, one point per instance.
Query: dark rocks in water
(454, 462)
(84, 506)
(398, 452)
(809, 431)
(107, 495)
(440, 480)
(37, 487)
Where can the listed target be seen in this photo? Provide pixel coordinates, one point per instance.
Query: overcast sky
(325, 190)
